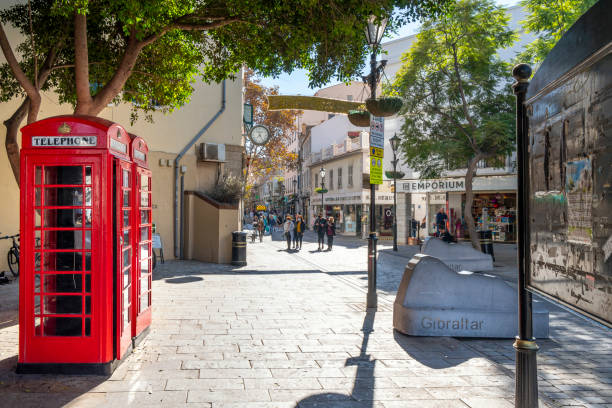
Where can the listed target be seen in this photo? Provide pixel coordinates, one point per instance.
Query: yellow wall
(208, 231)
(166, 137)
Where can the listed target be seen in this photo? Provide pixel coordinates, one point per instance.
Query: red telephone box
(143, 255)
(77, 246)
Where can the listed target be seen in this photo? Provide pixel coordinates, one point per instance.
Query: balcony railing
(346, 146)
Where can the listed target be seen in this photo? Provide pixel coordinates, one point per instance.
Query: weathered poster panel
(570, 168)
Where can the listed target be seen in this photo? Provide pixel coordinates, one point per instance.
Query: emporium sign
(482, 183)
(425, 186)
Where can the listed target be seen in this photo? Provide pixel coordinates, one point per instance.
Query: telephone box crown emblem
(64, 128)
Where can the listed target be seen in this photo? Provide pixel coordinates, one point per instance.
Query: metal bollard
(239, 248)
(486, 242)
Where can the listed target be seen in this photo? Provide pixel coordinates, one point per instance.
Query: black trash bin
(239, 248)
(486, 242)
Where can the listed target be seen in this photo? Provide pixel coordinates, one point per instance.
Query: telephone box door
(123, 231)
(144, 255)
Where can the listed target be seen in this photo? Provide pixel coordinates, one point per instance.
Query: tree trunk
(12, 129)
(469, 199)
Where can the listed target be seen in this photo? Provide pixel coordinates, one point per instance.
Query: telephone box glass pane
(63, 283)
(37, 239)
(144, 216)
(87, 261)
(87, 304)
(126, 238)
(63, 304)
(38, 175)
(144, 233)
(144, 199)
(87, 174)
(126, 218)
(64, 239)
(62, 326)
(87, 283)
(63, 261)
(37, 197)
(144, 182)
(127, 258)
(63, 175)
(88, 217)
(63, 218)
(126, 198)
(144, 252)
(37, 283)
(63, 196)
(37, 305)
(88, 196)
(87, 326)
(126, 178)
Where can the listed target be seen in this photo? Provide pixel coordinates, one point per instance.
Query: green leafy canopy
(549, 20)
(457, 100)
(325, 37)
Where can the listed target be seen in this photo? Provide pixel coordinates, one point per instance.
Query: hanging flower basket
(320, 190)
(359, 118)
(394, 174)
(384, 106)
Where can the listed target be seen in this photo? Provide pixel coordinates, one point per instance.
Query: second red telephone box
(143, 255)
(78, 244)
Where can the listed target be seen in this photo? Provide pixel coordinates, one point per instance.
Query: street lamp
(374, 32)
(294, 195)
(322, 174)
(394, 146)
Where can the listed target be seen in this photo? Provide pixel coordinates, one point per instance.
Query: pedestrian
(321, 227)
(441, 218)
(298, 232)
(288, 227)
(331, 231)
(260, 228)
(255, 224)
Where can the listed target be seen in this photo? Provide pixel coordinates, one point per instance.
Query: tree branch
(460, 84)
(178, 25)
(32, 45)
(81, 64)
(21, 77)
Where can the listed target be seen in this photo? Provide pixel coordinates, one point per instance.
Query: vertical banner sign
(377, 146)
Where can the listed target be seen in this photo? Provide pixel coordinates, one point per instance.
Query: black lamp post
(322, 174)
(394, 146)
(374, 32)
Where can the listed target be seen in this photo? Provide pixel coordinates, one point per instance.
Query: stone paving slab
(291, 330)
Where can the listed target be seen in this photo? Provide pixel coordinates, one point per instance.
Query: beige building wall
(166, 137)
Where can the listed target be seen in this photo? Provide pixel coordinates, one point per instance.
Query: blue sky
(297, 82)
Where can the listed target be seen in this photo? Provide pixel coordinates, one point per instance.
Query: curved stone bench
(433, 300)
(458, 257)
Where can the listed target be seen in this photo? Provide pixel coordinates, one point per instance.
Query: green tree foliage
(549, 20)
(458, 105)
(149, 52)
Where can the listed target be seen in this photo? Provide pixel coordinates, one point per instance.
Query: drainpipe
(177, 160)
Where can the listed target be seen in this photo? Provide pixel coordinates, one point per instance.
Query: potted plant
(320, 190)
(387, 106)
(394, 174)
(359, 118)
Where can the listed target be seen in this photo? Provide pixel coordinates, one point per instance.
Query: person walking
(260, 228)
(321, 227)
(255, 225)
(441, 218)
(298, 232)
(331, 231)
(288, 227)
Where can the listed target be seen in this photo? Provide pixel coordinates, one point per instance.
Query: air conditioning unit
(211, 152)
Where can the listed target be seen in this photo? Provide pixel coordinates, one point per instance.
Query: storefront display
(495, 212)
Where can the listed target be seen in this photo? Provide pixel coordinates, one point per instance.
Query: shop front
(351, 211)
(493, 209)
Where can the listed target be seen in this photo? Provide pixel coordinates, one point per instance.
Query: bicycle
(12, 256)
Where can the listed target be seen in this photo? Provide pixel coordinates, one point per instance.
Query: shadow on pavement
(184, 279)
(38, 390)
(444, 352)
(362, 395)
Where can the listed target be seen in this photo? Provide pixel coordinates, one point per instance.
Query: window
(316, 183)
(340, 178)
(350, 175)
(331, 180)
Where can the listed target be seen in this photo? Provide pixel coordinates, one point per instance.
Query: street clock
(259, 135)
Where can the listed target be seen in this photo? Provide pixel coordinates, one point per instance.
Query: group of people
(294, 231)
(325, 227)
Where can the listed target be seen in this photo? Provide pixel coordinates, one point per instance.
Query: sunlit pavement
(291, 329)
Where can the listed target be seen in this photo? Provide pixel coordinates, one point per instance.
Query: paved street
(290, 329)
